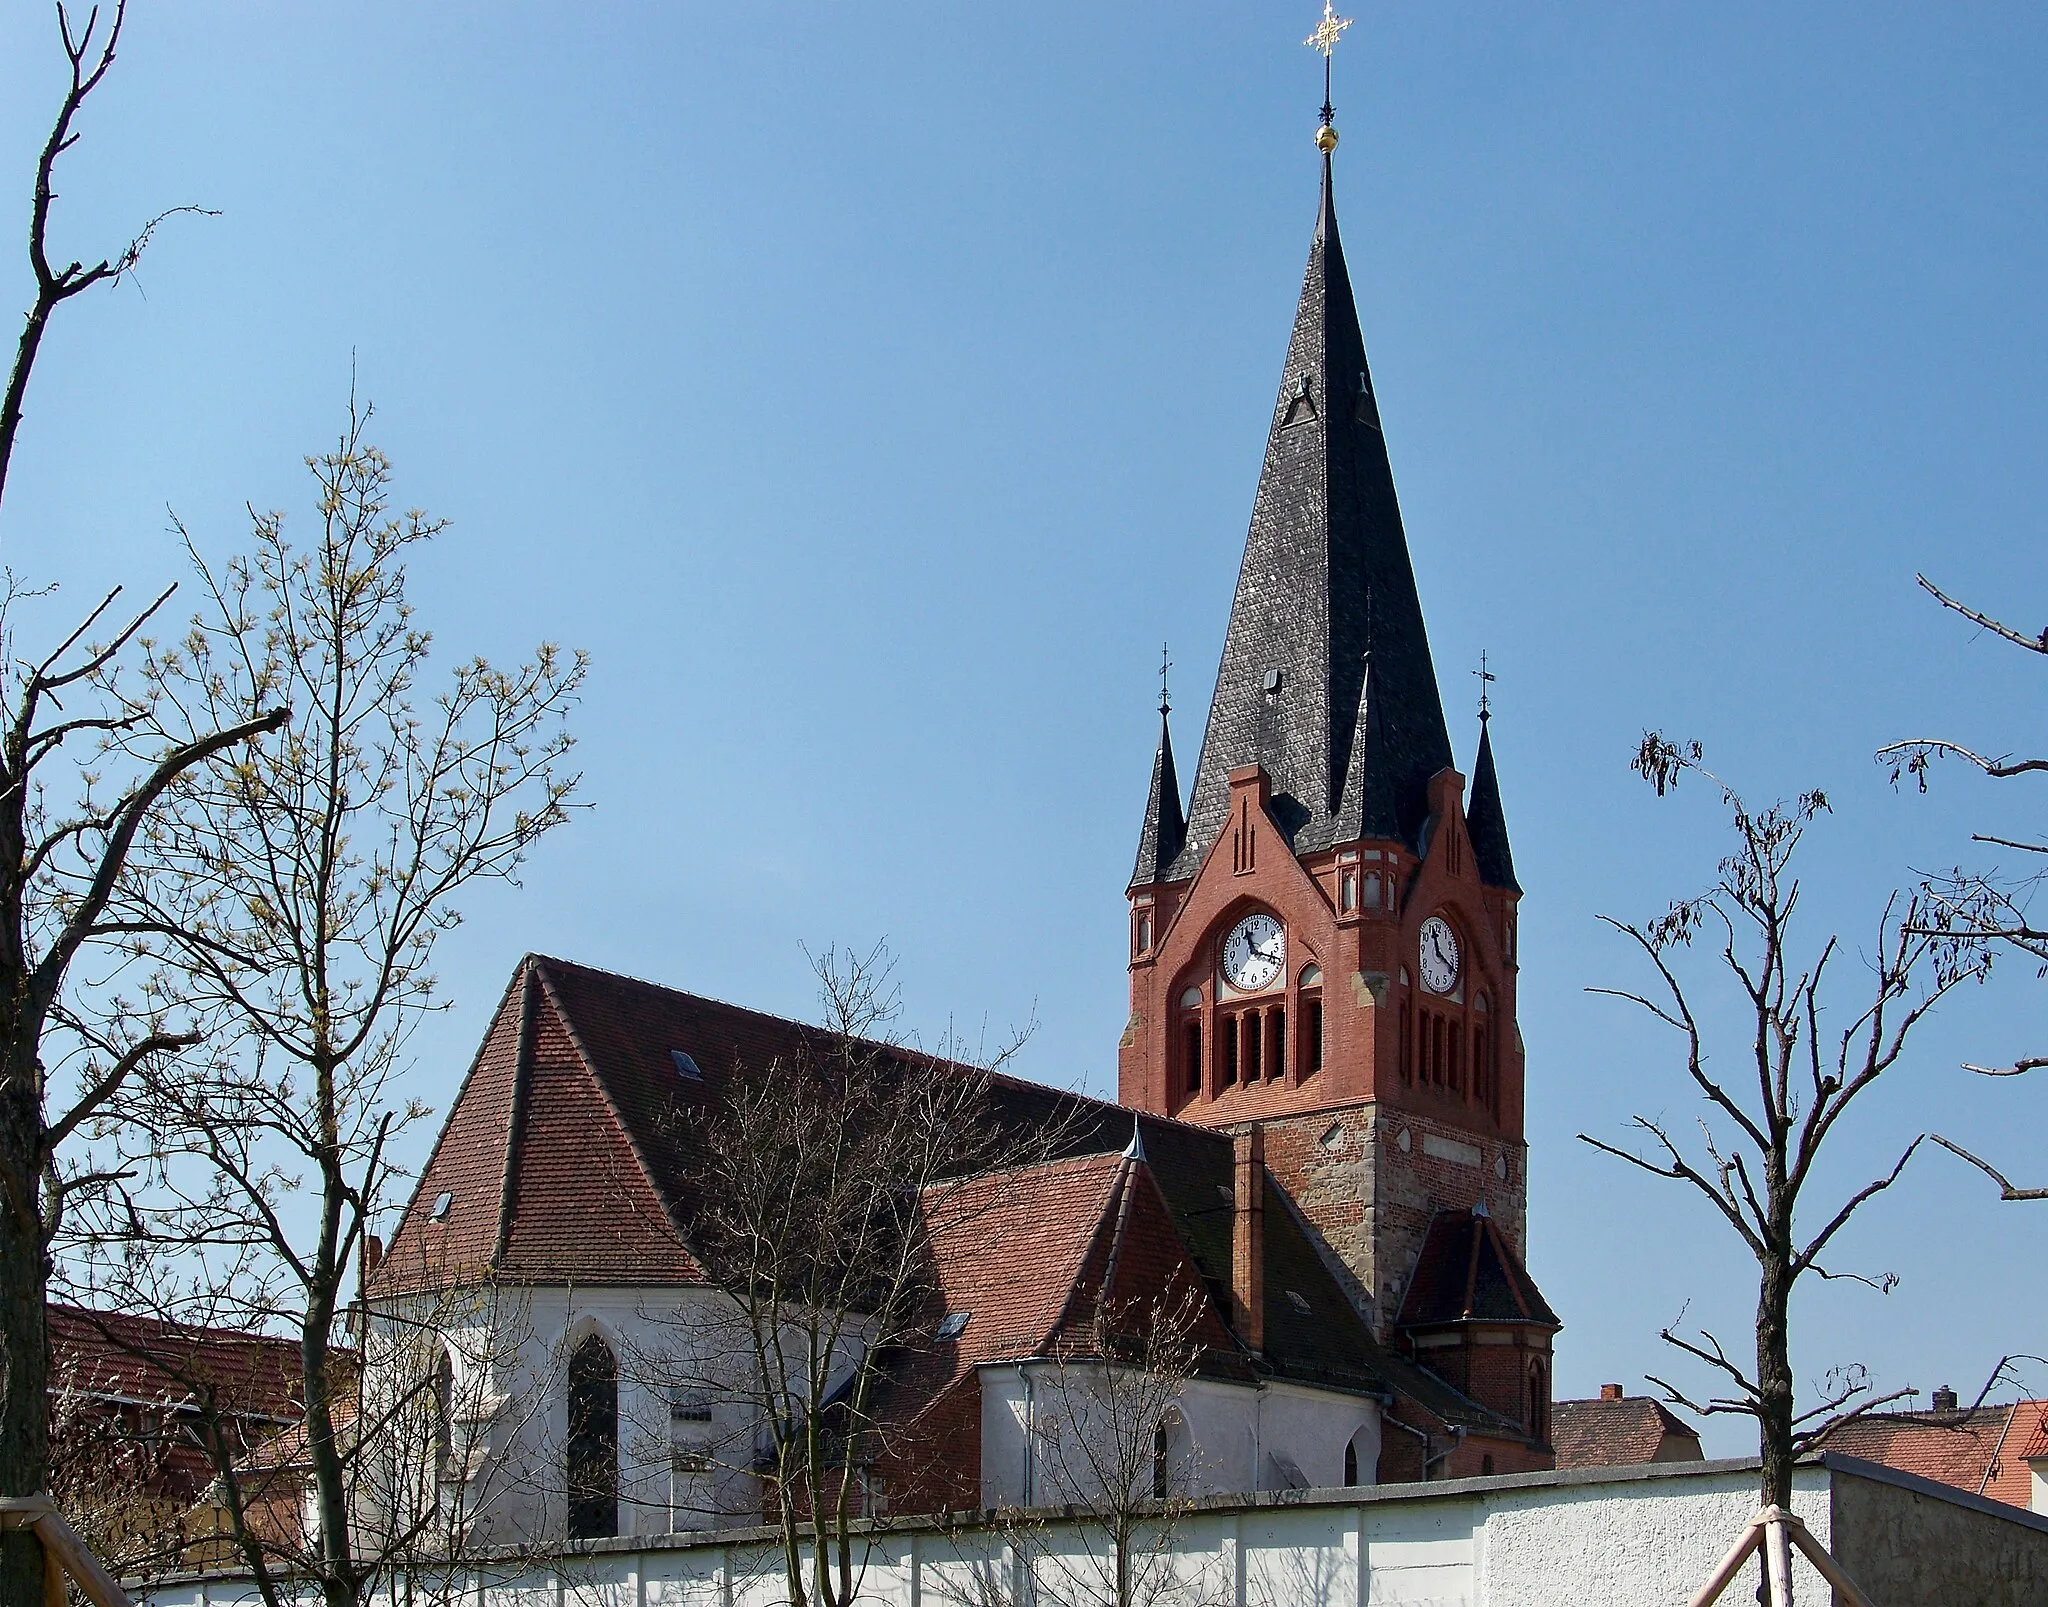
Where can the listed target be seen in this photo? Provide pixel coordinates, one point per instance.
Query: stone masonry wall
(1369, 1178)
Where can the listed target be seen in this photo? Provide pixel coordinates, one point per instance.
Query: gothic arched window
(444, 1415)
(593, 1450)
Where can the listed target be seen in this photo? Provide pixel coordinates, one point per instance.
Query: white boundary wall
(1625, 1537)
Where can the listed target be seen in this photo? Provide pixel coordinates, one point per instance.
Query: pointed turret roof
(1485, 822)
(1326, 576)
(1367, 806)
(1166, 828)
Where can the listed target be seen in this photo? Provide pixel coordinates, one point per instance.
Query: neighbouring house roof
(131, 1387)
(1620, 1432)
(114, 1357)
(1467, 1272)
(1983, 1450)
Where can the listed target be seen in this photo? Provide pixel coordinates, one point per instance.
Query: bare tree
(1759, 1147)
(84, 761)
(293, 896)
(1986, 907)
(813, 1208)
(1114, 1447)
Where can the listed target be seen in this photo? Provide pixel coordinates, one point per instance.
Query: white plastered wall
(662, 1340)
(1239, 1438)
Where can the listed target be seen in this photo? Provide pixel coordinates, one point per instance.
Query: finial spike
(1486, 680)
(1324, 41)
(1165, 664)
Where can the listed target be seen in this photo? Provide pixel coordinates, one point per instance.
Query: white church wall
(663, 1341)
(1239, 1438)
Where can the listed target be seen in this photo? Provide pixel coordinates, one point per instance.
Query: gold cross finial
(1324, 38)
(1324, 42)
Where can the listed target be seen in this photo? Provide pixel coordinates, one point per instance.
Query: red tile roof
(1466, 1273)
(2033, 1445)
(132, 1378)
(113, 1356)
(1982, 1450)
(1620, 1433)
(1030, 1256)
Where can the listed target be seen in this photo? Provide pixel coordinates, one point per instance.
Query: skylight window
(443, 1203)
(954, 1324)
(685, 1066)
(1299, 1302)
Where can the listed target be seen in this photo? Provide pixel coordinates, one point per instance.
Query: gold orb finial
(1326, 139)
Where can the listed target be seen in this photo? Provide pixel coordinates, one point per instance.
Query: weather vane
(1486, 679)
(1324, 40)
(1165, 664)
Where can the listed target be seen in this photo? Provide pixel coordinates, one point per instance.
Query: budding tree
(293, 893)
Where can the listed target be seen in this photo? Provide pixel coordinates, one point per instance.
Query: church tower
(1323, 944)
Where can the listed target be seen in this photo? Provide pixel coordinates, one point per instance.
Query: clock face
(1255, 953)
(1439, 955)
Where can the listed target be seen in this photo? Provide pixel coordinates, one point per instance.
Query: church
(1318, 1129)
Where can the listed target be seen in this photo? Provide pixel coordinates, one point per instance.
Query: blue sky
(872, 390)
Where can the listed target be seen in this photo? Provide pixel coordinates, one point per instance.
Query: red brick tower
(1324, 943)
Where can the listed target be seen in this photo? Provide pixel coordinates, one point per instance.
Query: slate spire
(1486, 823)
(1166, 828)
(1325, 550)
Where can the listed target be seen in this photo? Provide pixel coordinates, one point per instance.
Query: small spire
(1486, 822)
(1165, 830)
(1135, 1149)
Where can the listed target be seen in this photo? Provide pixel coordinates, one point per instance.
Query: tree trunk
(1774, 1383)
(24, 1348)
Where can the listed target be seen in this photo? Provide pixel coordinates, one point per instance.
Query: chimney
(1944, 1399)
(1610, 1392)
(1248, 1238)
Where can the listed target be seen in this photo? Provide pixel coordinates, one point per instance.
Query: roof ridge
(515, 1115)
(1072, 1280)
(670, 1207)
(475, 1060)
